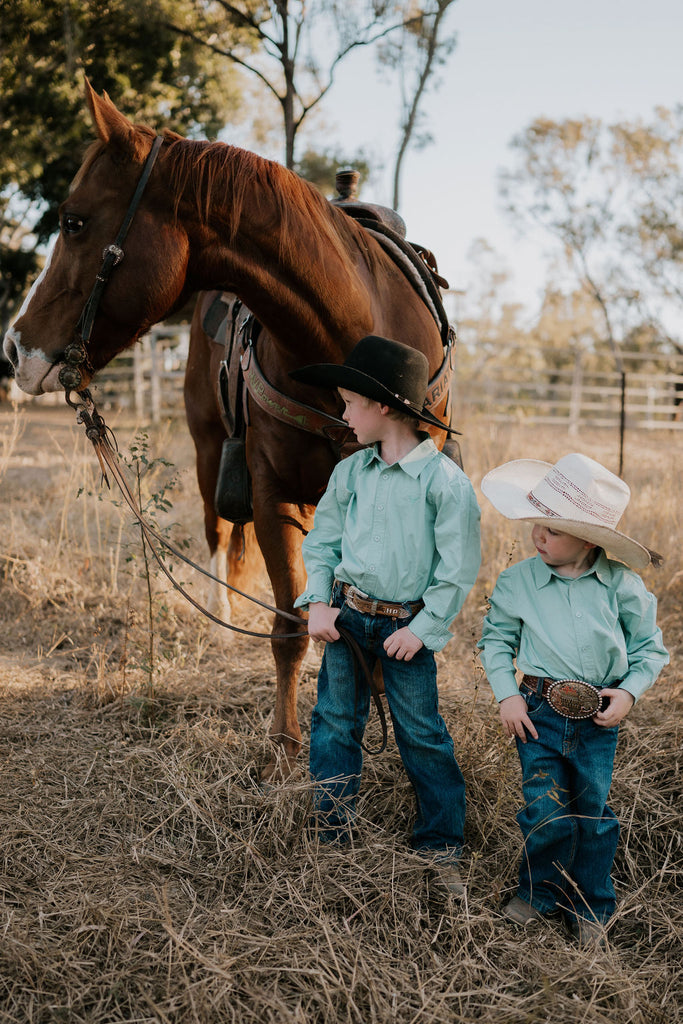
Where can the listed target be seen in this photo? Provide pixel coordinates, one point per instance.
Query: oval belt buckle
(573, 698)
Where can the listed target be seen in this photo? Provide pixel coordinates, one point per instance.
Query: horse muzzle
(37, 374)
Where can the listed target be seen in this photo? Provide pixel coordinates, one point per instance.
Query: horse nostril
(10, 349)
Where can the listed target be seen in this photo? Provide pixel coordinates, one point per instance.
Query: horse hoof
(279, 769)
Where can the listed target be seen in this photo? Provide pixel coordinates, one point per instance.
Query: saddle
(223, 321)
(232, 326)
(414, 260)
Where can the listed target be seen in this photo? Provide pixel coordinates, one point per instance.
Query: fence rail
(653, 396)
(148, 380)
(149, 377)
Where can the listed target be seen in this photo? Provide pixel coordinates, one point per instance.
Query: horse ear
(111, 125)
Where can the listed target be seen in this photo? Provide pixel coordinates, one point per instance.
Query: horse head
(149, 282)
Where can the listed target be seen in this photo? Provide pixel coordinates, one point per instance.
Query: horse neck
(290, 256)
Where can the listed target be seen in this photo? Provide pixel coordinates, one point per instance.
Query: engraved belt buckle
(351, 594)
(573, 698)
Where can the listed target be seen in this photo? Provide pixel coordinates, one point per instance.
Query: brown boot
(589, 933)
(446, 878)
(521, 912)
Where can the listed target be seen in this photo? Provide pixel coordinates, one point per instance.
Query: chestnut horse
(213, 216)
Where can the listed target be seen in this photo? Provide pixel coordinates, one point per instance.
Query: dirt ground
(146, 875)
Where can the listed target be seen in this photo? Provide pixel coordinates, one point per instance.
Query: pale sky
(515, 60)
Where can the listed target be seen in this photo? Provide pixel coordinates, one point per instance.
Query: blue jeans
(425, 745)
(567, 826)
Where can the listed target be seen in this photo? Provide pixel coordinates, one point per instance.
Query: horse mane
(210, 170)
(205, 172)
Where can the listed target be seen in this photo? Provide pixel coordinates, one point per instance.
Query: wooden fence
(574, 395)
(148, 381)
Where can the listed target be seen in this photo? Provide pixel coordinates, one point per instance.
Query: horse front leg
(280, 529)
(218, 532)
(208, 434)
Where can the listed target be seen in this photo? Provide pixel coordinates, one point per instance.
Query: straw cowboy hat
(384, 370)
(577, 496)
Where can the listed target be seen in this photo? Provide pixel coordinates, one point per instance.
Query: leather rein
(104, 443)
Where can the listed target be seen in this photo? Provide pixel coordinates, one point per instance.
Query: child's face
(363, 416)
(569, 555)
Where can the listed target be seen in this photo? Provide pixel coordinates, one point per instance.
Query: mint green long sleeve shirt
(600, 628)
(400, 532)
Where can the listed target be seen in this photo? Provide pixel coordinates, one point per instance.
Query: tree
(489, 327)
(415, 54)
(611, 196)
(652, 153)
(45, 47)
(296, 47)
(611, 199)
(566, 184)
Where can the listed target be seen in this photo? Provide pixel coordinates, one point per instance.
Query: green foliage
(176, 63)
(320, 168)
(610, 200)
(156, 478)
(125, 48)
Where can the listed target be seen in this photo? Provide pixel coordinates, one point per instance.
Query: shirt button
(380, 508)
(579, 615)
(371, 568)
(376, 540)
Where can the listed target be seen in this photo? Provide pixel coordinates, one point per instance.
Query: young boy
(393, 552)
(568, 617)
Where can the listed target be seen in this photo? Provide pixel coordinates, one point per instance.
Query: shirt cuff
(434, 635)
(318, 589)
(308, 597)
(636, 686)
(503, 684)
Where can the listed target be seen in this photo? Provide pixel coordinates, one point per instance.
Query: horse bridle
(75, 354)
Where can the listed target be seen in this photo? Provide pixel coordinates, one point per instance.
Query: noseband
(75, 354)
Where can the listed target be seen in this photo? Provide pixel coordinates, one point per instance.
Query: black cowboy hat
(383, 370)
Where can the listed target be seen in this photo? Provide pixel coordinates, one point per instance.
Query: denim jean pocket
(343, 609)
(535, 704)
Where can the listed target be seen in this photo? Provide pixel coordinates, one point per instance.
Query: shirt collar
(414, 462)
(543, 574)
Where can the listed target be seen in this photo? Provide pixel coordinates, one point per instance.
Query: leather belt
(571, 698)
(360, 602)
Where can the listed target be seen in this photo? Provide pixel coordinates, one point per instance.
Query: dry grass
(145, 875)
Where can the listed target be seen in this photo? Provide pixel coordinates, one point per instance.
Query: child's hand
(515, 719)
(620, 703)
(321, 619)
(402, 644)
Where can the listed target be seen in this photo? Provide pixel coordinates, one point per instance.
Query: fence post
(575, 398)
(155, 379)
(138, 381)
(651, 408)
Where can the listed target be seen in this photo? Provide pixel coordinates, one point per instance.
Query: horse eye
(71, 224)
